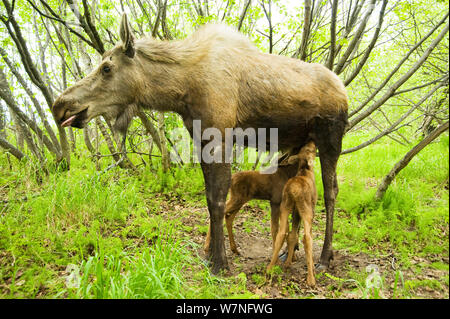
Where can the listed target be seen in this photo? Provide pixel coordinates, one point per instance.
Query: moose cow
(219, 77)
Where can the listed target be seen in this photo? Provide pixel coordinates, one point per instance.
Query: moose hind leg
(328, 179)
(328, 134)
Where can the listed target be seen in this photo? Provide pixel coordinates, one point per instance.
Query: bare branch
(402, 80)
(331, 55)
(387, 180)
(352, 45)
(393, 126)
(397, 67)
(369, 49)
(243, 14)
(301, 52)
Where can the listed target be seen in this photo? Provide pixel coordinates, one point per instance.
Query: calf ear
(126, 35)
(293, 159)
(310, 163)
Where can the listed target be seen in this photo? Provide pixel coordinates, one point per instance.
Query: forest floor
(86, 233)
(345, 278)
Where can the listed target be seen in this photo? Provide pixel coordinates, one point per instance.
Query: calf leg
(231, 210)
(232, 207)
(295, 221)
(274, 221)
(307, 244)
(293, 238)
(285, 209)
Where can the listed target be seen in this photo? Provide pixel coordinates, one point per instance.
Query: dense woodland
(60, 187)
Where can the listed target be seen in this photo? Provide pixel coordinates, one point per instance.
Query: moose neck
(166, 79)
(159, 92)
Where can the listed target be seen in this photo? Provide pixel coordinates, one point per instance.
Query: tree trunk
(87, 140)
(301, 51)
(387, 180)
(162, 137)
(243, 14)
(151, 129)
(334, 8)
(11, 149)
(2, 121)
(32, 71)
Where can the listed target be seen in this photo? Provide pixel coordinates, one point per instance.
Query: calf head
(305, 158)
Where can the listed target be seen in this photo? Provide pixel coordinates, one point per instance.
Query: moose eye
(106, 69)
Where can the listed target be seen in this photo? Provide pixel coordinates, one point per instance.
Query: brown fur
(249, 185)
(299, 197)
(217, 76)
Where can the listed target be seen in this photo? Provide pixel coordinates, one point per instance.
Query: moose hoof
(321, 267)
(217, 265)
(283, 256)
(325, 260)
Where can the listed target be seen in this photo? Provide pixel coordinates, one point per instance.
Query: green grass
(413, 214)
(110, 227)
(113, 228)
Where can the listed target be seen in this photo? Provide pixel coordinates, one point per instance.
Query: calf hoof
(269, 268)
(235, 250)
(283, 256)
(311, 282)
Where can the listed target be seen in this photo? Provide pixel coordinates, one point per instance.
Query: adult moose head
(218, 77)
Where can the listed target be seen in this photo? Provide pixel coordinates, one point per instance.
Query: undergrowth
(92, 234)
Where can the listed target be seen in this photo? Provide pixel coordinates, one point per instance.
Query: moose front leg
(217, 182)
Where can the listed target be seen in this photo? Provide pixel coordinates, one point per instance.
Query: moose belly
(292, 131)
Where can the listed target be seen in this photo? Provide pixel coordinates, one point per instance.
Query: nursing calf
(249, 185)
(299, 197)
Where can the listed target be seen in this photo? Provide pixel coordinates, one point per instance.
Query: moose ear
(127, 37)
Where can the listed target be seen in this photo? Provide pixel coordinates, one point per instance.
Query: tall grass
(157, 272)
